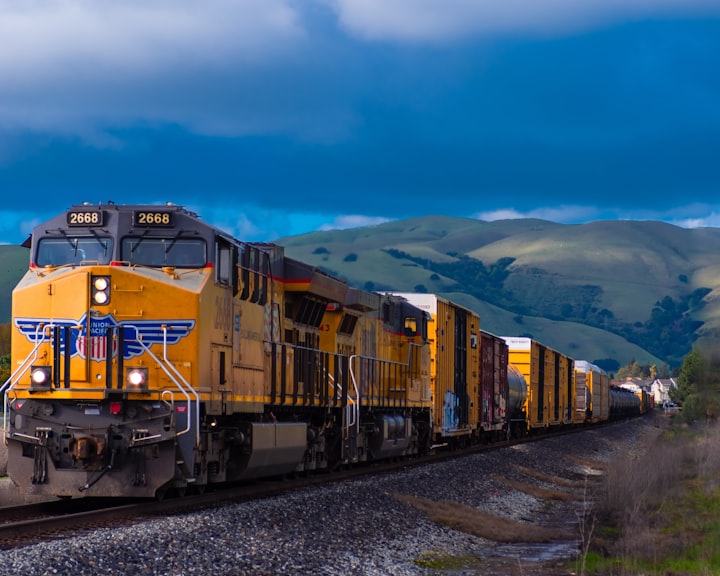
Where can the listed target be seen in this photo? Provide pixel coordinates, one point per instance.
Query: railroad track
(28, 524)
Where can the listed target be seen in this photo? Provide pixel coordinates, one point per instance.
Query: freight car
(646, 401)
(623, 402)
(454, 339)
(550, 377)
(592, 393)
(152, 351)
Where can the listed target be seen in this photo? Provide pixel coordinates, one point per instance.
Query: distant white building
(660, 390)
(634, 384)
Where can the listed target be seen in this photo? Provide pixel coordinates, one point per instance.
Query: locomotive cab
(93, 320)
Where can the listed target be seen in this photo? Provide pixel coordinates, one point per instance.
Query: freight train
(153, 352)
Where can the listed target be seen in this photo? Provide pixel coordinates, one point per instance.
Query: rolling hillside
(609, 289)
(13, 264)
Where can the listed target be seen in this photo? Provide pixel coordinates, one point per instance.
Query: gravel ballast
(366, 527)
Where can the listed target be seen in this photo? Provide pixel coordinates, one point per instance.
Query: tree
(691, 372)
(4, 368)
(698, 387)
(5, 337)
(631, 370)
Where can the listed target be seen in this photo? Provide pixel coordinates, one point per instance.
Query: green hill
(610, 289)
(13, 264)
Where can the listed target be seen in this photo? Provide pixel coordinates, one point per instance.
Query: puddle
(535, 552)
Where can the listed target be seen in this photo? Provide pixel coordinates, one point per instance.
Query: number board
(153, 218)
(85, 217)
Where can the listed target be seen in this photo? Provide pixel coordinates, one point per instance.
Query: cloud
(710, 221)
(693, 215)
(83, 68)
(345, 221)
(253, 223)
(446, 20)
(137, 36)
(561, 214)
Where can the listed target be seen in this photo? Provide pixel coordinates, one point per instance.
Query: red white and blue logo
(89, 339)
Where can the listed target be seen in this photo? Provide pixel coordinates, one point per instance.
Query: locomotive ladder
(352, 409)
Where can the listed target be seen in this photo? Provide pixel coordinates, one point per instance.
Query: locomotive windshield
(73, 250)
(156, 251)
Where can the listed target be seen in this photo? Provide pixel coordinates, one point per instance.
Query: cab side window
(226, 264)
(223, 263)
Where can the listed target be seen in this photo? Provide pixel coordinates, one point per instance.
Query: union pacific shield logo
(90, 339)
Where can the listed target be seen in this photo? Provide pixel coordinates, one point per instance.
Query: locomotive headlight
(137, 379)
(100, 290)
(41, 376)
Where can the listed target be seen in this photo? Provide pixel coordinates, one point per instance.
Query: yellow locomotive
(151, 351)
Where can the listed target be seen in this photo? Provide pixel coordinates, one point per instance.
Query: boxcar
(550, 376)
(592, 393)
(454, 337)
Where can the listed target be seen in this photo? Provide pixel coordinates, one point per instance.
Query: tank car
(623, 402)
(152, 351)
(517, 402)
(550, 379)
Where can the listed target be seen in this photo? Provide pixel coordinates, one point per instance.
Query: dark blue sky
(278, 117)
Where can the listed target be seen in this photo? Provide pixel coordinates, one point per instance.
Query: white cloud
(711, 220)
(561, 214)
(688, 216)
(86, 67)
(133, 36)
(442, 20)
(345, 221)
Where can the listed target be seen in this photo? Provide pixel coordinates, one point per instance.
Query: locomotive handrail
(353, 406)
(356, 420)
(20, 370)
(195, 392)
(176, 378)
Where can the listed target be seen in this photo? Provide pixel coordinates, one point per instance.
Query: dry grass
(659, 506)
(479, 523)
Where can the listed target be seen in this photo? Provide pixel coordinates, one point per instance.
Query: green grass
(445, 562)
